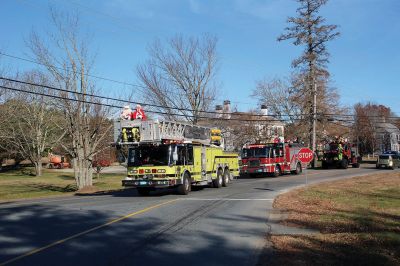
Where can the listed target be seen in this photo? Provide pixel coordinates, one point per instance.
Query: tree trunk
(83, 173)
(38, 168)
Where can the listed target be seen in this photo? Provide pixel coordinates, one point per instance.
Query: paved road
(211, 226)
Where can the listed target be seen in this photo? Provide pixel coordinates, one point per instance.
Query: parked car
(388, 160)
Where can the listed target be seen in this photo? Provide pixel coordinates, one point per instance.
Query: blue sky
(365, 59)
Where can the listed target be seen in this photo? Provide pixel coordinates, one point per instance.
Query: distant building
(387, 137)
(248, 127)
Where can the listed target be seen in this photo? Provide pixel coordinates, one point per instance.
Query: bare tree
(181, 76)
(29, 128)
(280, 97)
(286, 100)
(370, 120)
(308, 30)
(69, 63)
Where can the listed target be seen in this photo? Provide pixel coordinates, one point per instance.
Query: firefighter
(138, 113)
(340, 151)
(124, 135)
(125, 113)
(135, 134)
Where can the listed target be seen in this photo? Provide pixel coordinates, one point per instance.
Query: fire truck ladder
(138, 131)
(172, 130)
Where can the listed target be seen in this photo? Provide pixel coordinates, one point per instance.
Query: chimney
(227, 109)
(264, 109)
(218, 110)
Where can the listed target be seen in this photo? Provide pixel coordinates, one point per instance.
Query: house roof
(387, 128)
(257, 118)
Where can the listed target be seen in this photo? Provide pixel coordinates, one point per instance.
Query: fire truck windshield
(256, 152)
(149, 155)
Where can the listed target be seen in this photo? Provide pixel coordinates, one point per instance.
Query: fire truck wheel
(298, 169)
(226, 178)
(184, 188)
(344, 164)
(143, 191)
(217, 183)
(277, 171)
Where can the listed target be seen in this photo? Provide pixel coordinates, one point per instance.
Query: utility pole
(314, 116)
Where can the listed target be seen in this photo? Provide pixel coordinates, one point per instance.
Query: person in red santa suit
(138, 113)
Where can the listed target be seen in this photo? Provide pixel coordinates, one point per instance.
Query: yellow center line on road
(85, 232)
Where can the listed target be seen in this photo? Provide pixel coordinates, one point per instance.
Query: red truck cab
(271, 159)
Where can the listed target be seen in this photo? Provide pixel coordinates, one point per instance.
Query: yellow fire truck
(165, 154)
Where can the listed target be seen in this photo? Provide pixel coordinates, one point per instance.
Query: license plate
(142, 183)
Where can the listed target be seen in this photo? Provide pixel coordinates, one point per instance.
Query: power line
(117, 106)
(355, 123)
(184, 109)
(354, 115)
(155, 112)
(141, 103)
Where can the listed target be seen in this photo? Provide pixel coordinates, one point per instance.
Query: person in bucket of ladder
(138, 113)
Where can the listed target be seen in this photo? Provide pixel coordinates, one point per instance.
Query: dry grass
(358, 220)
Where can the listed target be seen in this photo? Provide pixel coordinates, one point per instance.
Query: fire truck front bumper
(254, 170)
(130, 182)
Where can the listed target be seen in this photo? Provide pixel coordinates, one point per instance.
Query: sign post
(305, 155)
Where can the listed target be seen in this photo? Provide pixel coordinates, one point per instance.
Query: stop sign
(305, 155)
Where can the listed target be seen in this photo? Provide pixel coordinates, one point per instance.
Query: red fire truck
(271, 159)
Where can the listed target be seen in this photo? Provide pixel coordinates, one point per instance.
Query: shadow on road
(132, 192)
(127, 192)
(146, 239)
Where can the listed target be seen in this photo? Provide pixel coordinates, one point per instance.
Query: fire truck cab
(271, 159)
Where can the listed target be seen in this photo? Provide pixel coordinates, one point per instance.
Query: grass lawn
(358, 220)
(19, 184)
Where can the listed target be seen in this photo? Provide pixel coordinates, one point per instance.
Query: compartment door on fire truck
(197, 150)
